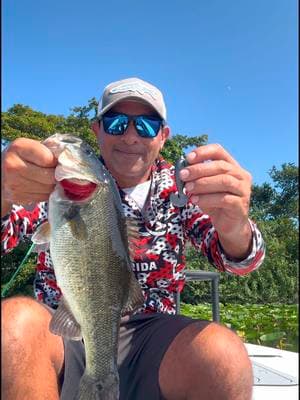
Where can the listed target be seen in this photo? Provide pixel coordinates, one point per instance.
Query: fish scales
(81, 262)
(90, 253)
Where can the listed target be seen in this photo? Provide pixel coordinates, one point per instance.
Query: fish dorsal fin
(42, 234)
(131, 237)
(138, 242)
(133, 228)
(135, 298)
(63, 323)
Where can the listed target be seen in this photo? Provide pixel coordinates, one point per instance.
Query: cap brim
(128, 98)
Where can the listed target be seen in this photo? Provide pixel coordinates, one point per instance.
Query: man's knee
(23, 317)
(219, 341)
(226, 357)
(223, 349)
(209, 361)
(25, 325)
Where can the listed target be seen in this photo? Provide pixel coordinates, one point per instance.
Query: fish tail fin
(93, 389)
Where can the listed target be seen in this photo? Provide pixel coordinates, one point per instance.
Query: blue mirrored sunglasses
(145, 125)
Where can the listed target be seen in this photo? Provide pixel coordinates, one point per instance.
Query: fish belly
(92, 272)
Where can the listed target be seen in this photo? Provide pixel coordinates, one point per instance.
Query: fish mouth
(77, 189)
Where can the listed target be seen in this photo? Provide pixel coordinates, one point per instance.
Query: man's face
(129, 157)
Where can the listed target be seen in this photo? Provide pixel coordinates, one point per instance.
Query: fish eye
(88, 152)
(70, 140)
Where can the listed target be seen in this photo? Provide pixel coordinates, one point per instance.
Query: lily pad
(269, 337)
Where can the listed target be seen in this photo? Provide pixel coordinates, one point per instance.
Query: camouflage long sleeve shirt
(159, 260)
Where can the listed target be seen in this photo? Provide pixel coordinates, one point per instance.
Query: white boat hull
(275, 373)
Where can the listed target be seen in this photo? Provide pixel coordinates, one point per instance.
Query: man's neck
(132, 181)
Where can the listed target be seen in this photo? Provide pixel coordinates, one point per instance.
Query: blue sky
(227, 68)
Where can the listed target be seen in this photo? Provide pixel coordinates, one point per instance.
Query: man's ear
(164, 135)
(95, 127)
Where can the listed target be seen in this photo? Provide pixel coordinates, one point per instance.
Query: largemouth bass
(89, 246)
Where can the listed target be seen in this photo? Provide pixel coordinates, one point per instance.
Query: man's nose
(130, 136)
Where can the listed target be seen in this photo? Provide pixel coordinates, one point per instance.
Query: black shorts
(144, 339)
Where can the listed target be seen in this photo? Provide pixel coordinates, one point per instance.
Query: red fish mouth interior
(78, 191)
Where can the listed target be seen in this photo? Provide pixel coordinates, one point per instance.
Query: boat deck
(275, 373)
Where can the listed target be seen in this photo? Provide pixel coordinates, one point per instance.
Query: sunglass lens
(115, 125)
(147, 127)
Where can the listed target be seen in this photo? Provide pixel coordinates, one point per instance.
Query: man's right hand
(27, 174)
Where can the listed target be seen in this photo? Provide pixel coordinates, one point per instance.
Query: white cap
(132, 89)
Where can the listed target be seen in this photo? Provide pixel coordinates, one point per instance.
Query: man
(161, 355)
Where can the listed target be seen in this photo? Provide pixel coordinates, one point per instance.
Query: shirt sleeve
(202, 234)
(46, 289)
(20, 223)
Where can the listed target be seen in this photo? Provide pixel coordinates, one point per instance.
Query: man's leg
(206, 361)
(32, 357)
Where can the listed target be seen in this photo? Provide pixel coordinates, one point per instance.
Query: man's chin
(128, 170)
(128, 177)
(130, 165)
(131, 172)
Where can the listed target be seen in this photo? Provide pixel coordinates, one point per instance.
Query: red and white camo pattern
(159, 260)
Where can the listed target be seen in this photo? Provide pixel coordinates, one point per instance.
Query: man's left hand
(221, 188)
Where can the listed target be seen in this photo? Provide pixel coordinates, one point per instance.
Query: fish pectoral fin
(63, 323)
(75, 221)
(42, 234)
(78, 228)
(135, 298)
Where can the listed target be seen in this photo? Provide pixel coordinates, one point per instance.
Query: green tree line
(274, 207)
